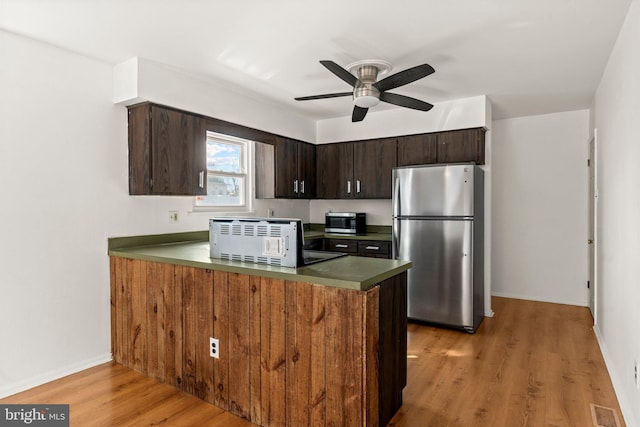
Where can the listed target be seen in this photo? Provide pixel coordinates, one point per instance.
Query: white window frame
(247, 173)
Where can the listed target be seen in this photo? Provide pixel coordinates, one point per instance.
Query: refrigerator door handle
(395, 237)
(396, 196)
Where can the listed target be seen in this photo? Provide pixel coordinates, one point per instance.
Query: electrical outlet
(173, 216)
(214, 348)
(636, 373)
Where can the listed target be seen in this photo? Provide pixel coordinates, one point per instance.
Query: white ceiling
(529, 56)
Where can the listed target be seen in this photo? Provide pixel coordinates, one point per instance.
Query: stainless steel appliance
(438, 215)
(345, 222)
(273, 241)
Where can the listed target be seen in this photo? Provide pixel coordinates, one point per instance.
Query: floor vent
(604, 417)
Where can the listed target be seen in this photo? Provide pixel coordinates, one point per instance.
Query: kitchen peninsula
(323, 344)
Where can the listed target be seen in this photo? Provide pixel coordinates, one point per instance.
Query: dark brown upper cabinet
(466, 145)
(167, 151)
(295, 169)
(359, 169)
(373, 162)
(334, 169)
(418, 149)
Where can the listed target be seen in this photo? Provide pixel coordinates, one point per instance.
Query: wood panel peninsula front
(324, 344)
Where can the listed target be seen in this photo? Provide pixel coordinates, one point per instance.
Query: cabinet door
(373, 162)
(465, 145)
(334, 171)
(295, 169)
(178, 152)
(417, 149)
(286, 164)
(307, 170)
(167, 151)
(139, 118)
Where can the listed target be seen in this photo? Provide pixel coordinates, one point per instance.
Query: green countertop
(349, 272)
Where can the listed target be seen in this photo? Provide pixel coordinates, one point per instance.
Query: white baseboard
(538, 298)
(623, 401)
(10, 389)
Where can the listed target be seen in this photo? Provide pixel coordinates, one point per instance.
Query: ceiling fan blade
(328, 95)
(340, 72)
(358, 113)
(404, 77)
(405, 101)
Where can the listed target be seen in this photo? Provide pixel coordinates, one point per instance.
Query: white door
(591, 241)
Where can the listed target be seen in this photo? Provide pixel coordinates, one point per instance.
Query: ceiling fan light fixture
(366, 101)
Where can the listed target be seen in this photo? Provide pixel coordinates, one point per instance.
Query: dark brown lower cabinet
(374, 248)
(368, 248)
(290, 353)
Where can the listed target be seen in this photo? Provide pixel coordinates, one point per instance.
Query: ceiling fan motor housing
(365, 95)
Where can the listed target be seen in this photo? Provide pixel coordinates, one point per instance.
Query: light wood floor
(532, 364)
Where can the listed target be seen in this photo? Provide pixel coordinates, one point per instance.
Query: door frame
(592, 225)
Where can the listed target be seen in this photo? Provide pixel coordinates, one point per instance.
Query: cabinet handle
(302, 186)
(340, 245)
(295, 186)
(373, 248)
(201, 179)
(348, 187)
(357, 186)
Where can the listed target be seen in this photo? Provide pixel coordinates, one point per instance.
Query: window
(228, 173)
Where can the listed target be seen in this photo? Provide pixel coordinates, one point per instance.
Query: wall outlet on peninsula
(214, 348)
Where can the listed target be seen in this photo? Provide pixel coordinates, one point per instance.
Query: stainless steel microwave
(345, 222)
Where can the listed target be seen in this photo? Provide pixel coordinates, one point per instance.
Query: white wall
(540, 207)
(63, 168)
(458, 114)
(617, 120)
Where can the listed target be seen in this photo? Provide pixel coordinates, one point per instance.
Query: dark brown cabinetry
(167, 151)
(367, 248)
(418, 149)
(341, 245)
(373, 162)
(374, 248)
(356, 169)
(466, 145)
(334, 169)
(295, 169)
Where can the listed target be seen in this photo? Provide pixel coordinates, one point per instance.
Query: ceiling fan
(367, 92)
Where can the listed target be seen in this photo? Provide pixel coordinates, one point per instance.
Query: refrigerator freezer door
(443, 190)
(440, 283)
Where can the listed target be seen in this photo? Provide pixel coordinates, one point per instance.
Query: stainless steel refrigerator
(438, 213)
